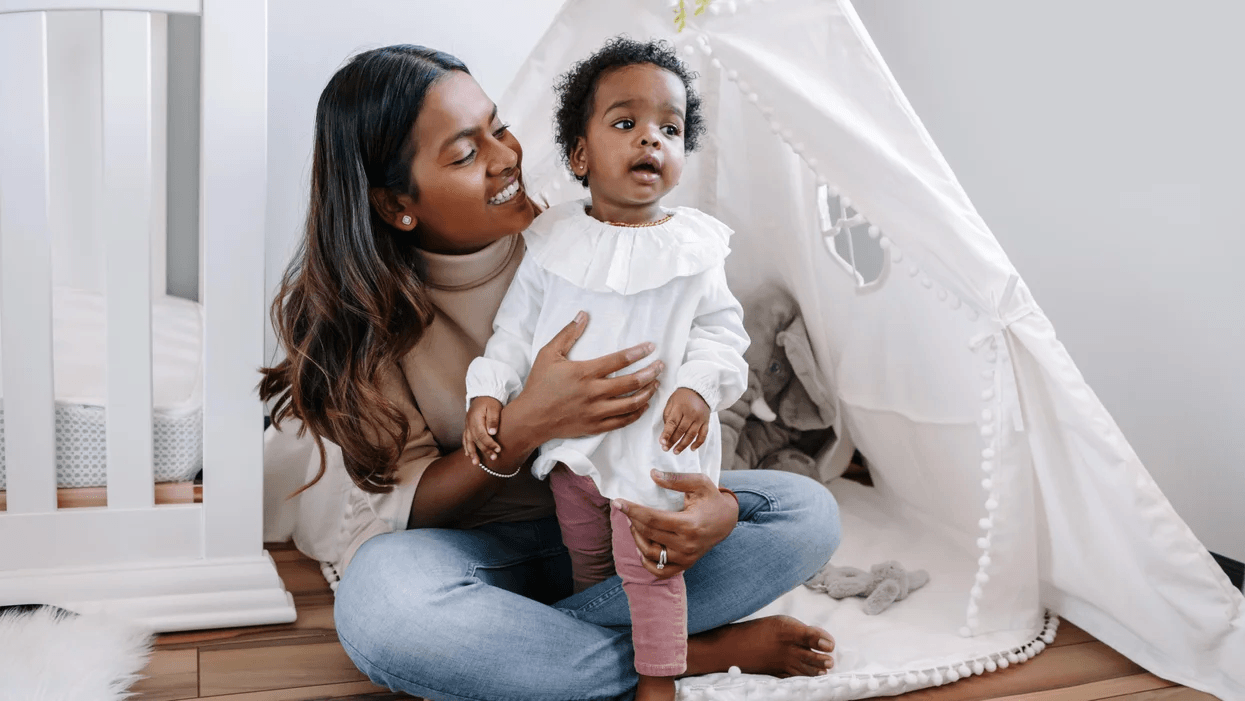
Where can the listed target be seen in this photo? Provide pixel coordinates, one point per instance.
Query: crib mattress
(78, 347)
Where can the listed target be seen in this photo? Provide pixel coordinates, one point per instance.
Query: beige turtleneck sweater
(331, 519)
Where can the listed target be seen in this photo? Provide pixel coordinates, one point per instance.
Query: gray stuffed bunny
(882, 586)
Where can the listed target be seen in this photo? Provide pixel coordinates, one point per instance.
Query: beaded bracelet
(498, 474)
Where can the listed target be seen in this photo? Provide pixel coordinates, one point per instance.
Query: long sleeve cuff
(490, 378)
(704, 382)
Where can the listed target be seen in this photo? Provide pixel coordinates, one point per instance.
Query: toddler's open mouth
(647, 169)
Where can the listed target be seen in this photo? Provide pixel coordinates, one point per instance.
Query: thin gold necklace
(659, 222)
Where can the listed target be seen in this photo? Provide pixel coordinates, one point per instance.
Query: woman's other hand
(565, 398)
(708, 516)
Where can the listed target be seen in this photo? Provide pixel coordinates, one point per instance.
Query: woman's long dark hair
(352, 301)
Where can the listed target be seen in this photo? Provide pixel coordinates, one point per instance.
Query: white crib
(166, 566)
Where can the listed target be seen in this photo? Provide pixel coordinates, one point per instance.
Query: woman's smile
(509, 192)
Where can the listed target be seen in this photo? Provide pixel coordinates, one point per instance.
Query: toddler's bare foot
(655, 689)
(779, 646)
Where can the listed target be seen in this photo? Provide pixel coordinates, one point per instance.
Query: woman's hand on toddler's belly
(570, 399)
(708, 516)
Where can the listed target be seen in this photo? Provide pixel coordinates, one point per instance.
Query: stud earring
(406, 219)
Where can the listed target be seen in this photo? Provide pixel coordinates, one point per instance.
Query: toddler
(626, 116)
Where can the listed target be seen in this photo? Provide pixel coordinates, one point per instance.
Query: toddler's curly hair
(576, 90)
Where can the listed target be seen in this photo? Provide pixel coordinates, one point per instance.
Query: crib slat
(26, 266)
(74, 102)
(234, 182)
(127, 256)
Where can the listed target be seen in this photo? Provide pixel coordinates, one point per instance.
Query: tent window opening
(849, 238)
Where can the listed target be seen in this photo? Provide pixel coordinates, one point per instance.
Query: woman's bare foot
(779, 646)
(655, 689)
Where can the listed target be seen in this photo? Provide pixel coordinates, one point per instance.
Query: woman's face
(467, 170)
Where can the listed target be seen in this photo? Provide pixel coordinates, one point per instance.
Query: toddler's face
(633, 152)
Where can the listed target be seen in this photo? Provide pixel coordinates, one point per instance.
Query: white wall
(310, 39)
(183, 156)
(1103, 144)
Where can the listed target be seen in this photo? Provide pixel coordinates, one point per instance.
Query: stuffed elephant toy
(785, 414)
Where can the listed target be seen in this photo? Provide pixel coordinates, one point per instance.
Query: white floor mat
(912, 645)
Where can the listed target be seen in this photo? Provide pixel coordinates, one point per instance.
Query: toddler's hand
(687, 420)
(481, 426)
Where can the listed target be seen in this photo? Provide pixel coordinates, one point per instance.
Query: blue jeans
(479, 615)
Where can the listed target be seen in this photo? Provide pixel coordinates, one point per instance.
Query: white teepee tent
(996, 468)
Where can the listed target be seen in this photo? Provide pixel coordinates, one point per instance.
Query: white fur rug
(49, 655)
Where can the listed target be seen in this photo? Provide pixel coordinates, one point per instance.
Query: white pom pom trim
(851, 686)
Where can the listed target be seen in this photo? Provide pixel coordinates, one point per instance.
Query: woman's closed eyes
(500, 132)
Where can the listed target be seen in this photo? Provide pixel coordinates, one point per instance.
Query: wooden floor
(303, 660)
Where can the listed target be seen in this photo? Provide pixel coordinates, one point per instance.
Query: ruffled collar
(597, 256)
(462, 272)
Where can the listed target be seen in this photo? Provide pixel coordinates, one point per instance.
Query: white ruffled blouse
(663, 283)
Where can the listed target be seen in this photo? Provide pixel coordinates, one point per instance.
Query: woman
(454, 573)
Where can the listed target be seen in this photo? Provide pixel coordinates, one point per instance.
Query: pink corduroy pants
(599, 539)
